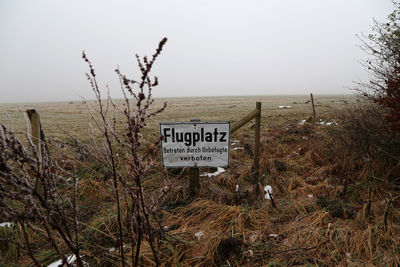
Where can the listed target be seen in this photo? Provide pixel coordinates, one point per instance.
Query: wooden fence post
(35, 129)
(37, 134)
(194, 183)
(194, 180)
(313, 107)
(257, 145)
(256, 161)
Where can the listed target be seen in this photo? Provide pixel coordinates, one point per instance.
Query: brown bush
(383, 46)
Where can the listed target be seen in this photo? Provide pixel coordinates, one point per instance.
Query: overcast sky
(214, 48)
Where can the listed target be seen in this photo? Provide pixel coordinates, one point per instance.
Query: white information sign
(195, 144)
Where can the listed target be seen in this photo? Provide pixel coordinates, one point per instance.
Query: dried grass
(313, 224)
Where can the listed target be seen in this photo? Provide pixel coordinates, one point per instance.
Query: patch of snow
(305, 137)
(70, 259)
(165, 228)
(285, 106)
(218, 172)
(328, 123)
(234, 142)
(237, 188)
(267, 192)
(114, 248)
(302, 122)
(273, 235)
(310, 196)
(251, 252)
(6, 224)
(199, 235)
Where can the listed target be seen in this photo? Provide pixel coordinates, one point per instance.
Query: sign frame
(195, 123)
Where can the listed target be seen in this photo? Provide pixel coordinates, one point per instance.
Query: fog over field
(214, 48)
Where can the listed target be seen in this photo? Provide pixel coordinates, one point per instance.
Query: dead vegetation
(335, 205)
(316, 222)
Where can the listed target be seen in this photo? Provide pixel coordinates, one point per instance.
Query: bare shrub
(31, 194)
(361, 130)
(383, 47)
(128, 171)
(360, 152)
(38, 197)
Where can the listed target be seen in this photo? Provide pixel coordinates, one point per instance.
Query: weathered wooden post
(246, 119)
(194, 182)
(35, 129)
(313, 107)
(37, 137)
(256, 161)
(37, 134)
(257, 145)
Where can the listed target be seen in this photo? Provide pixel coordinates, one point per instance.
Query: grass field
(328, 210)
(73, 116)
